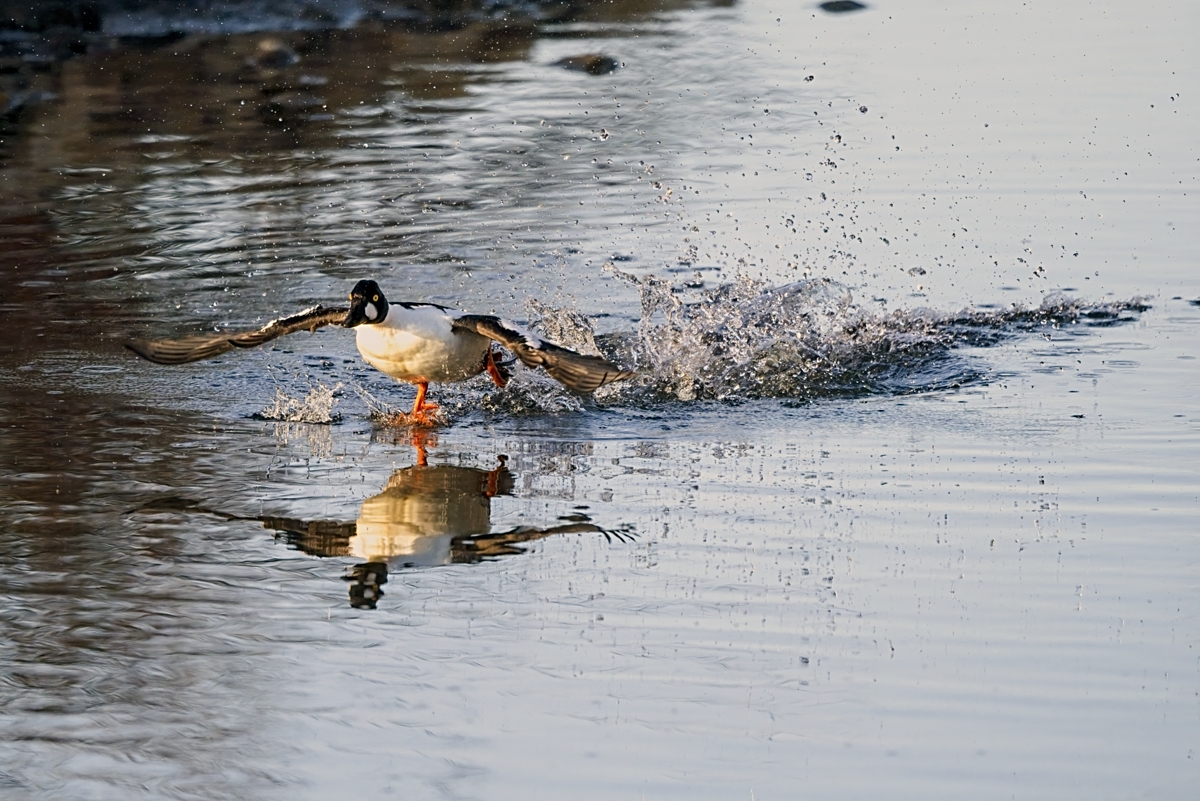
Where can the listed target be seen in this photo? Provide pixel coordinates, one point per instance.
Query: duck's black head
(367, 305)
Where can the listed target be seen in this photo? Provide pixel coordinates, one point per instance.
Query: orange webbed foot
(423, 414)
(427, 417)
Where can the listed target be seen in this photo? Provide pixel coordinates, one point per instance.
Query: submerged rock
(841, 6)
(275, 54)
(287, 105)
(591, 63)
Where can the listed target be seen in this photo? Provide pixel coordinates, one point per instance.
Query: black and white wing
(205, 346)
(574, 370)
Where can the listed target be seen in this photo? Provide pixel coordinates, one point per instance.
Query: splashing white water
(804, 340)
(564, 327)
(316, 407)
(531, 392)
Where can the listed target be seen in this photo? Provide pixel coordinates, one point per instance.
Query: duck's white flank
(417, 344)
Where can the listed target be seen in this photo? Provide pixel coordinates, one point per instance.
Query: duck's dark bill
(206, 346)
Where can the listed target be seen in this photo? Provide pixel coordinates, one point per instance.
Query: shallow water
(903, 500)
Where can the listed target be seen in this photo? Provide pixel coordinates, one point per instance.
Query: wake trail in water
(805, 340)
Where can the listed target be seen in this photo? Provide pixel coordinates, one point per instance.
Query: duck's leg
(493, 477)
(422, 413)
(419, 405)
(489, 362)
(419, 440)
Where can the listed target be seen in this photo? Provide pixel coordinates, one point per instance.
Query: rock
(841, 6)
(274, 54)
(591, 63)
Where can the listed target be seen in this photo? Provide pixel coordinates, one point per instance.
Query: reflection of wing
(574, 370)
(316, 537)
(507, 543)
(205, 346)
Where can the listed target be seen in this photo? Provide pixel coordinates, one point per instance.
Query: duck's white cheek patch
(371, 311)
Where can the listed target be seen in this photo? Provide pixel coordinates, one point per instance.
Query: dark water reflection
(97, 613)
(191, 162)
(142, 635)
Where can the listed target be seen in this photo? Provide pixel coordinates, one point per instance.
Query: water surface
(903, 501)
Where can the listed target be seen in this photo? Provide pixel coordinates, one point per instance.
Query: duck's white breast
(420, 513)
(418, 344)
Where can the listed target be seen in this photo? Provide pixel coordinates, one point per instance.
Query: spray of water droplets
(804, 340)
(316, 407)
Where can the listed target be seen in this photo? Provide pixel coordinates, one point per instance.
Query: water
(902, 501)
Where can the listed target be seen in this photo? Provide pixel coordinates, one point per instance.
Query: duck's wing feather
(574, 370)
(206, 346)
(308, 320)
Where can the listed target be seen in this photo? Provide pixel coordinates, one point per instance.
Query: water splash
(568, 328)
(804, 340)
(316, 407)
(531, 392)
(452, 403)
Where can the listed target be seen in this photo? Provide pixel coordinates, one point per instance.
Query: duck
(417, 343)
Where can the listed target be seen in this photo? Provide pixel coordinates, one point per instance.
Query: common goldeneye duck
(418, 343)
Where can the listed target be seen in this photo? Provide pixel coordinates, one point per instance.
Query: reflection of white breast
(419, 344)
(420, 512)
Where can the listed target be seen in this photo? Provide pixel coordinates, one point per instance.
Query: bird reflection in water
(427, 515)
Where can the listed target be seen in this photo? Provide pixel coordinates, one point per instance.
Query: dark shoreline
(36, 38)
(36, 35)
(161, 19)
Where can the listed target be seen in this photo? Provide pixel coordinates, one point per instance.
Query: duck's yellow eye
(375, 299)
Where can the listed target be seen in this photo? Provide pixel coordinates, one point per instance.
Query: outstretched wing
(574, 370)
(205, 346)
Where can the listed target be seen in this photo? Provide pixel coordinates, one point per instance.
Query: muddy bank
(161, 18)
